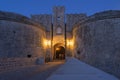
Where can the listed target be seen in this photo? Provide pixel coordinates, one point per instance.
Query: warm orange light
(69, 43)
(47, 43)
(57, 49)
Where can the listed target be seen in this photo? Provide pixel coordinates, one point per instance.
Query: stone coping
(9, 16)
(104, 15)
(110, 14)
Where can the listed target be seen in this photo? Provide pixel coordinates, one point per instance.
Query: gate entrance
(60, 53)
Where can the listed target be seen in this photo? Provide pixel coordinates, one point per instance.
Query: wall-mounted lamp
(70, 43)
(47, 43)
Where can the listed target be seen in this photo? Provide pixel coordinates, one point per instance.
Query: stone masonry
(97, 41)
(96, 38)
(21, 41)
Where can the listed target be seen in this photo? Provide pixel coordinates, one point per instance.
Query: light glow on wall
(70, 43)
(47, 43)
(57, 49)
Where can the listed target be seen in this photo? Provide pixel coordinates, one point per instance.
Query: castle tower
(59, 21)
(58, 36)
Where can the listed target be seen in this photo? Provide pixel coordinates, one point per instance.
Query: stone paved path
(33, 73)
(73, 69)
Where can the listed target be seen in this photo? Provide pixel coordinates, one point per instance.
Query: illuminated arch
(59, 51)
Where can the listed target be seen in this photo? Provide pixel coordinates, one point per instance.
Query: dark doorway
(60, 53)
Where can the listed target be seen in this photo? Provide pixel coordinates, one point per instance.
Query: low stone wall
(8, 64)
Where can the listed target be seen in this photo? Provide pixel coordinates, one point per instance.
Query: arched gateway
(59, 52)
(58, 36)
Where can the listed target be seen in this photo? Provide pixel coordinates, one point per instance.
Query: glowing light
(57, 49)
(47, 43)
(69, 43)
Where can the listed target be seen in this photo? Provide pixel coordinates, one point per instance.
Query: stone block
(40, 61)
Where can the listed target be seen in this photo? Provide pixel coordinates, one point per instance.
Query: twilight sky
(28, 7)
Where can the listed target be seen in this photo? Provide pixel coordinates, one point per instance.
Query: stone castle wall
(20, 41)
(72, 19)
(96, 38)
(9, 16)
(8, 64)
(97, 41)
(44, 19)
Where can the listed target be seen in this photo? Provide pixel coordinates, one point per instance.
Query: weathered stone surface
(106, 15)
(9, 16)
(96, 38)
(8, 64)
(98, 44)
(72, 19)
(20, 40)
(20, 45)
(110, 14)
(40, 61)
(44, 19)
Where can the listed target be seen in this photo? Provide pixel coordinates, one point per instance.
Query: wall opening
(29, 56)
(59, 52)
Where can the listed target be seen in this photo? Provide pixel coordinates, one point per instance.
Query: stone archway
(59, 52)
